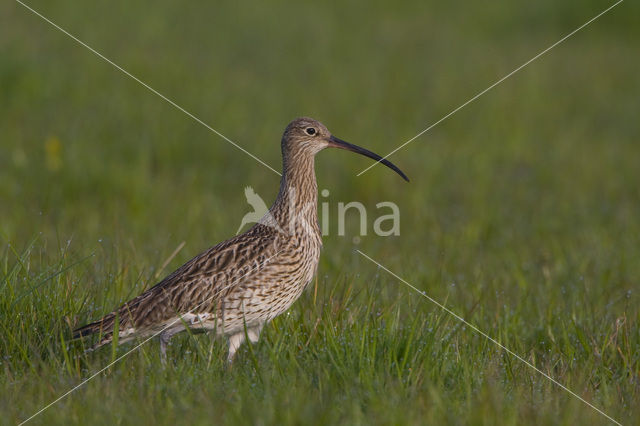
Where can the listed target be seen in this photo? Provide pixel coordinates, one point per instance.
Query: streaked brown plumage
(249, 279)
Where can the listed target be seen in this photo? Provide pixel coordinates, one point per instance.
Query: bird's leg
(234, 343)
(164, 341)
(237, 339)
(254, 333)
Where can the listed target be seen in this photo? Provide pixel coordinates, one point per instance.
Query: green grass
(522, 215)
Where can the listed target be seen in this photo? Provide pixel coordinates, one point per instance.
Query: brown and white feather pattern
(251, 278)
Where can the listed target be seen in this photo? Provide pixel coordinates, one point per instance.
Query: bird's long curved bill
(339, 143)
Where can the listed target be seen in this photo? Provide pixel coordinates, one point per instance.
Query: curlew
(237, 286)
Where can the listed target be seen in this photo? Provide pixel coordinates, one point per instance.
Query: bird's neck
(296, 207)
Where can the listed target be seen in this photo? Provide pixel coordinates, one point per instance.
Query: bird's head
(306, 137)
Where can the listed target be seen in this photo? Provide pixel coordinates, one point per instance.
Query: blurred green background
(522, 212)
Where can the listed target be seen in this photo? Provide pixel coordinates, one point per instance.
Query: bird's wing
(198, 285)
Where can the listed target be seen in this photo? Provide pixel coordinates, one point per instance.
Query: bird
(237, 286)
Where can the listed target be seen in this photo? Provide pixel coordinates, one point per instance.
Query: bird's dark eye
(311, 131)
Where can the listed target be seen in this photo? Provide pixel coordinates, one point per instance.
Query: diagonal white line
(492, 86)
(151, 89)
(139, 345)
(491, 339)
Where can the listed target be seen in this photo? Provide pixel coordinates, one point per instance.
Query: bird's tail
(103, 327)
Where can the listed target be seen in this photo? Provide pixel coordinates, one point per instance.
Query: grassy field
(522, 215)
